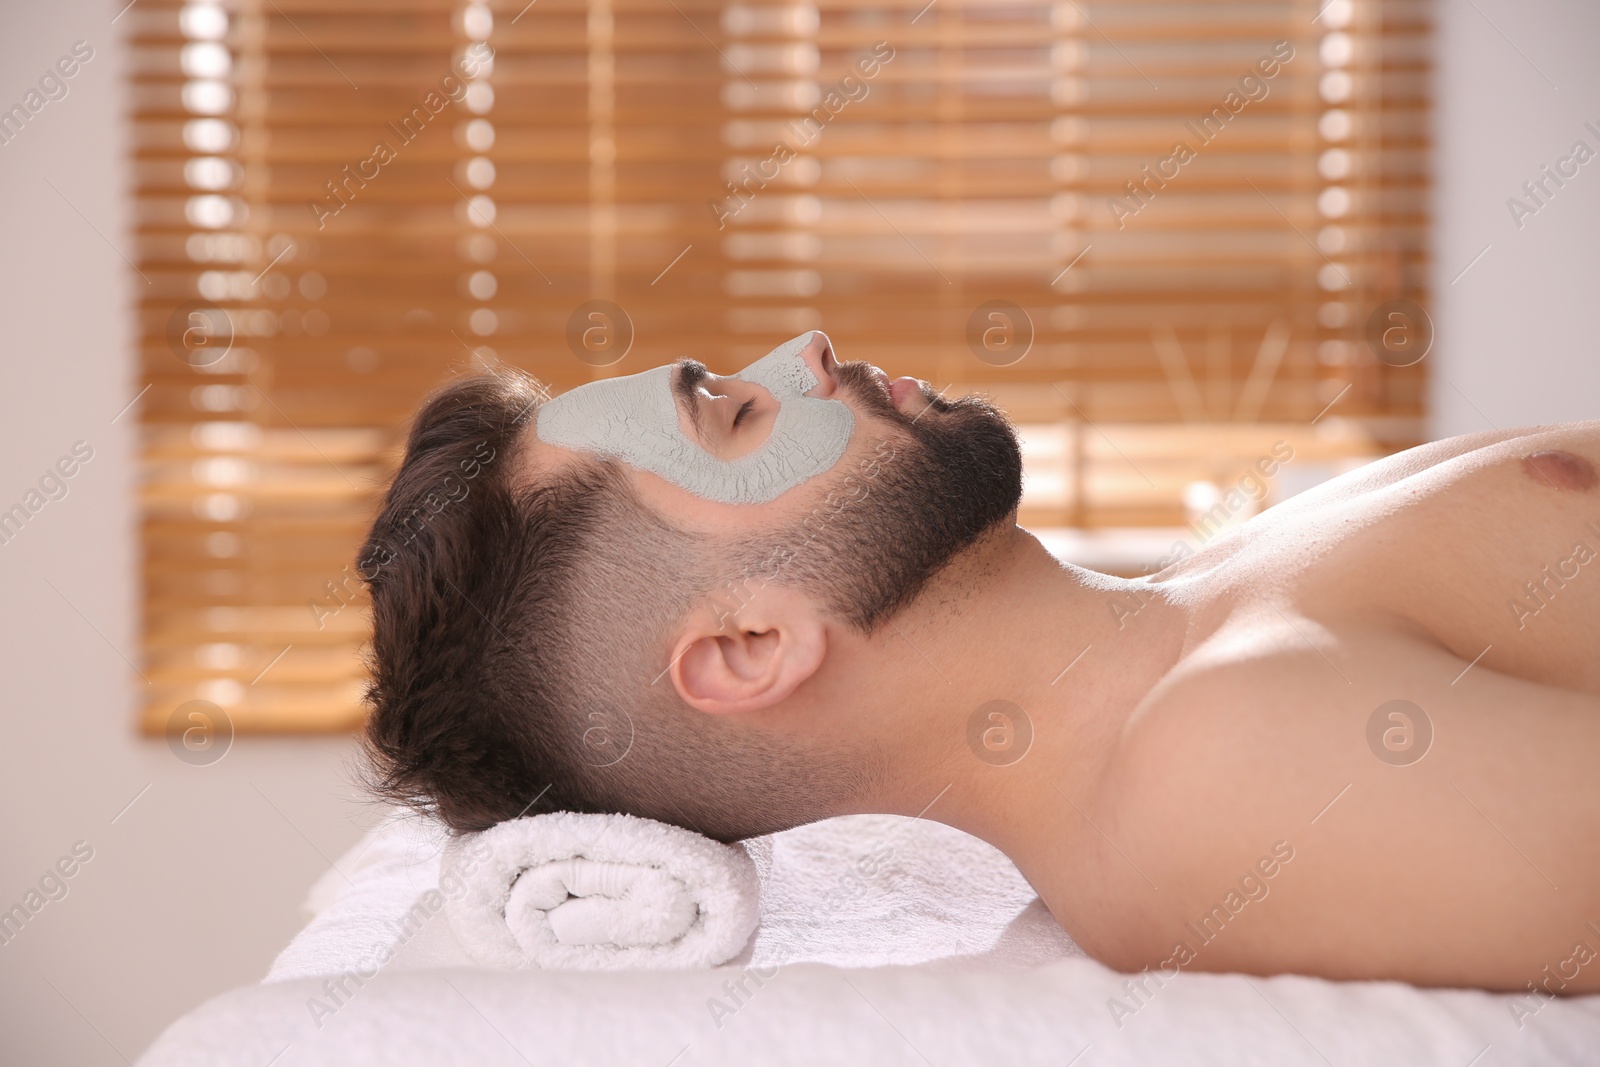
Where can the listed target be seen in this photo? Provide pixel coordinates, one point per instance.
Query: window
(1164, 235)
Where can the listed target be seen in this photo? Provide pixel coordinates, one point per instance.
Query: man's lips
(902, 389)
(899, 390)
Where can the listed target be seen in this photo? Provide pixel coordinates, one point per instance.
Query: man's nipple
(1560, 469)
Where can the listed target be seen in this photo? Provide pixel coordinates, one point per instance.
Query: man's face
(870, 485)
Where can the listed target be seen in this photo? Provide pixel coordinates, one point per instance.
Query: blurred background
(242, 239)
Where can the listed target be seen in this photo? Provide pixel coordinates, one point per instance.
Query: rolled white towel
(600, 892)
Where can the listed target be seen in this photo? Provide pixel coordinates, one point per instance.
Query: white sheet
(993, 980)
(914, 1016)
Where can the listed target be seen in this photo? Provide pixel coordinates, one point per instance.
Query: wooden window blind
(340, 202)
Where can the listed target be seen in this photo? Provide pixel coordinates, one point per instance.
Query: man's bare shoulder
(1258, 719)
(1362, 755)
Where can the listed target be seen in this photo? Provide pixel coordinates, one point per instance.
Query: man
(1358, 737)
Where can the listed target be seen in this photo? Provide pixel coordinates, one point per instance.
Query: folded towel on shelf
(599, 892)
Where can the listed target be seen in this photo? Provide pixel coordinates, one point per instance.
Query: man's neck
(1009, 682)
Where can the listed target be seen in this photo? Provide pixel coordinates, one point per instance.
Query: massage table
(882, 940)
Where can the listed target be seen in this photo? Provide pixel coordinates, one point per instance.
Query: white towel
(599, 892)
(854, 891)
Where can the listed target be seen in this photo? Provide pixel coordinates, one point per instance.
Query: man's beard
(897, 517)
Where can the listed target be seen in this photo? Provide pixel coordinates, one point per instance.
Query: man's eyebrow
(687, 374)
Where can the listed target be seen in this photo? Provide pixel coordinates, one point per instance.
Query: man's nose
(818, 355)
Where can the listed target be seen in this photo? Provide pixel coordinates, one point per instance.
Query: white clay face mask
(636, 420)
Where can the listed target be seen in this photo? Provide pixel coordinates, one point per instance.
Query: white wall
(1516, 335)
(195, 886)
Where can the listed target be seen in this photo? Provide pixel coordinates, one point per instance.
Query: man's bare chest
(1494, 555)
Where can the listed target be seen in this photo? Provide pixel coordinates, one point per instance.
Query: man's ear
(750, 659)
